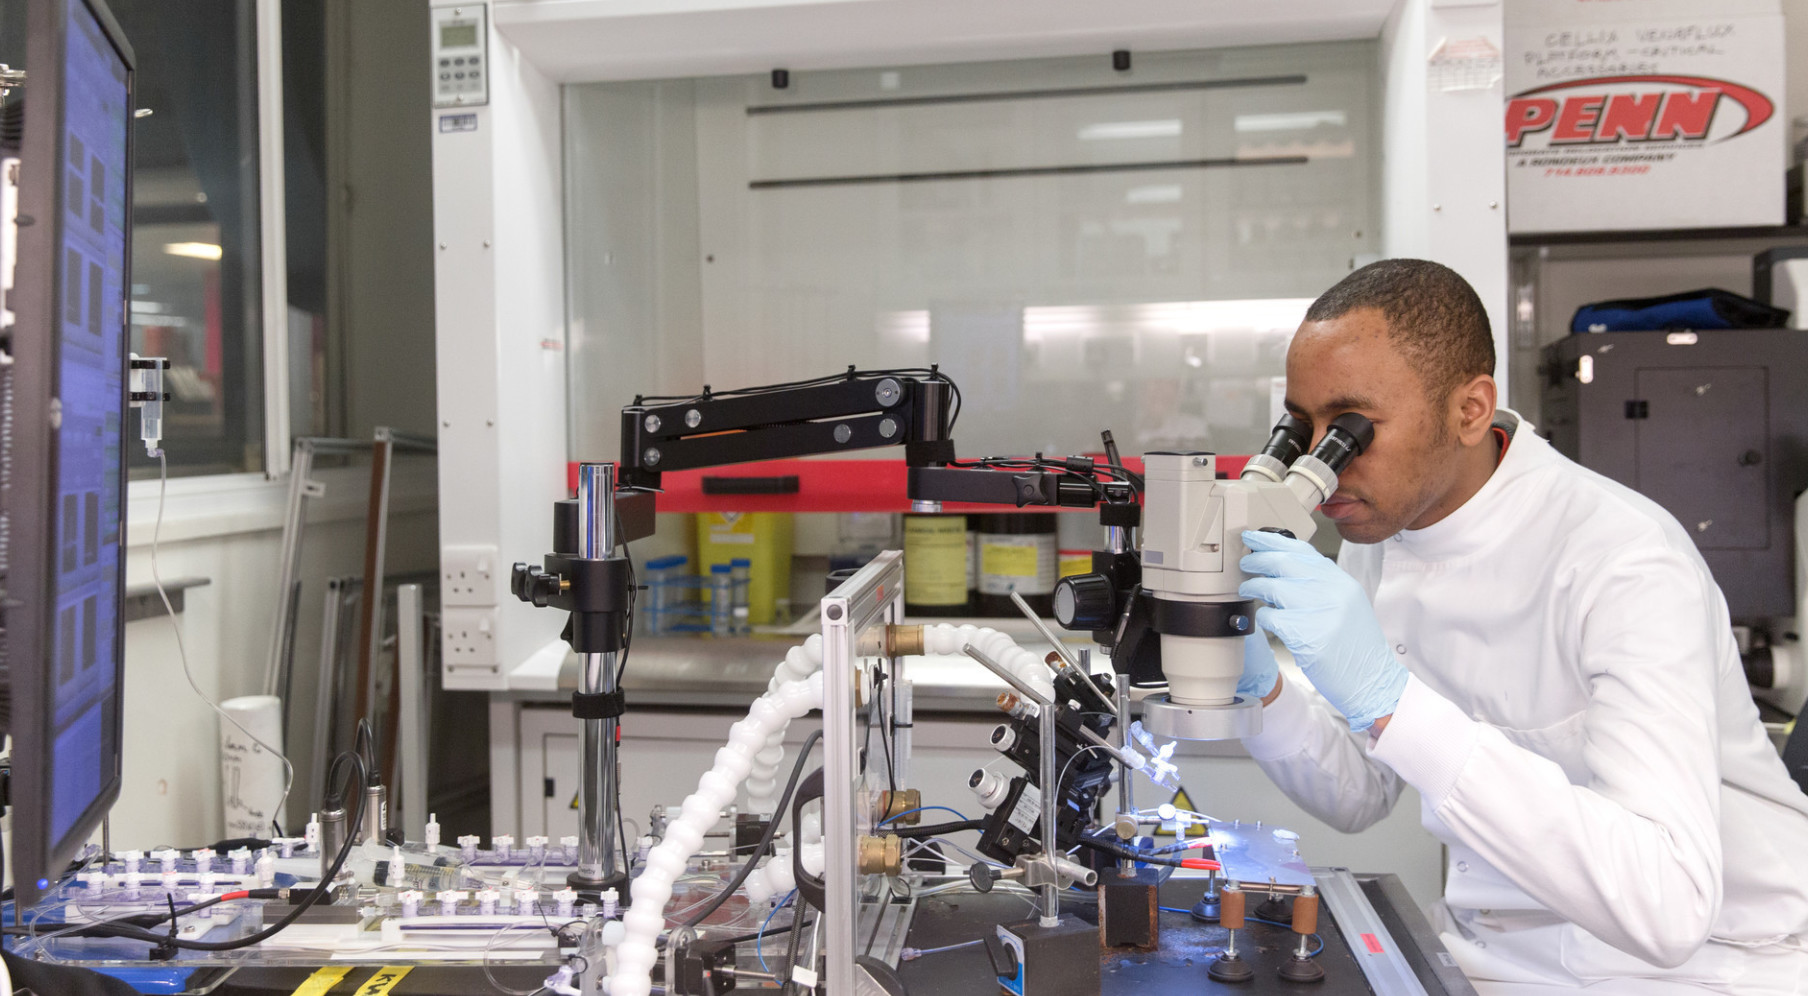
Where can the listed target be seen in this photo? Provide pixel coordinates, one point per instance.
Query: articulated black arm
(915, 409)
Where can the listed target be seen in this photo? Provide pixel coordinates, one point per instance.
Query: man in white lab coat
(1538, 650)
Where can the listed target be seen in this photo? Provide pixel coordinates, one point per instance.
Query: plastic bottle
(661, 596)
(721, 599)
(740, 570)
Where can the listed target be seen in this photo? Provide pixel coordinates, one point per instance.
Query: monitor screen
(90, 370)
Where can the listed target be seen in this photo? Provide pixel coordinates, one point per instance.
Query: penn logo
(1612, 110)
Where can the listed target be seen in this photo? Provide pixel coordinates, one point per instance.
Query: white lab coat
(1579, 728)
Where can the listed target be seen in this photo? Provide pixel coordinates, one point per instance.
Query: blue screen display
(91, 296)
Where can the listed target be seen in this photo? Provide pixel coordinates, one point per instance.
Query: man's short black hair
(1432, 314)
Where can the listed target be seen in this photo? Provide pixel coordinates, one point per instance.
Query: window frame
(198, 497)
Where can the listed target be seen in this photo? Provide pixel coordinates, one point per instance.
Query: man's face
(1347, 364)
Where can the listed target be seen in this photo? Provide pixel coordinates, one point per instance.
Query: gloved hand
(1322, 614)
(1260, 671)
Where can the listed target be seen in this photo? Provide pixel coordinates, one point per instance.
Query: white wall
(1443, 175)
(500, 340)
(229, 531)
(588, 40)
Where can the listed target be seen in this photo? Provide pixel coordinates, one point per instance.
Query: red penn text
(1607, 119)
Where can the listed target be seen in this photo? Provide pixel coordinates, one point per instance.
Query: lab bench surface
(1187, 948)
(425, 980)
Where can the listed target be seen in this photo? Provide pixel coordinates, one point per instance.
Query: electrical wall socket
(470, 636)
(468, 576)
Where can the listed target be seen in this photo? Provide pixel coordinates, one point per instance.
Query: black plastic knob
(518, 581)
(1085, 602)
(541, 586)
(983, 876)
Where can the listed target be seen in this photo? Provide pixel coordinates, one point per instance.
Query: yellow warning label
(1011, 561)
(574, 800)
(382, 982)
(1180, 801)
(935, 560)
(322, 981)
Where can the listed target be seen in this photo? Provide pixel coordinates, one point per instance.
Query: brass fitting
(1305, 914)
(881, 855)
(1016, 705)
(903, 641)
(893, 804)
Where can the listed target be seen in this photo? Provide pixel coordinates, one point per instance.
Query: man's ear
(1473, 402)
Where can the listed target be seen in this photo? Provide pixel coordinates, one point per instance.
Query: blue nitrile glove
(1322, 614)
(1260, 671)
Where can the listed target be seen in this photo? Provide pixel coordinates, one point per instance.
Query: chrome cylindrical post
(598, 793)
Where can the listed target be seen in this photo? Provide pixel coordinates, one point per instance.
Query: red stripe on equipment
(828, 486)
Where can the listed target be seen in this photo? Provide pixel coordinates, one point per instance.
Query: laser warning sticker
(1642, 115)
(382, 982)
(1181, 801)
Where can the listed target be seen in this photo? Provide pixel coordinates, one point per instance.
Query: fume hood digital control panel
(461, 56)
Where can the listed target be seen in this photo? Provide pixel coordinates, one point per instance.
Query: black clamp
(1203, 619)
(599, 705)
(1123, 515)
(929, 453)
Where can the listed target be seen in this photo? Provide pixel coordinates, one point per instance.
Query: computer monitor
(64, 487)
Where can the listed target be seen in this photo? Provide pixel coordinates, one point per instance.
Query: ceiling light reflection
(1114, 130)
(1295, 121)
(1164, 318)
(193, 250)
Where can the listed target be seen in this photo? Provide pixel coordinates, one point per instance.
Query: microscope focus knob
(1085, 602)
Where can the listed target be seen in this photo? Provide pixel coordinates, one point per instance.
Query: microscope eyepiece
(1288, 441)
(1348, 435)
(1284, 446)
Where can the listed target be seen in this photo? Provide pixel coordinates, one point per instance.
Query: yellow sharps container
(763, 539)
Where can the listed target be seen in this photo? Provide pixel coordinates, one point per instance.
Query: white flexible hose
(945, 639)
(762, 782)
(775, 876)
(802, 661)
(637, 953)
(752, 755)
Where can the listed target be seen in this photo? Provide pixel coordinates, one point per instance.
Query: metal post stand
(598, 793)
(1051, 794)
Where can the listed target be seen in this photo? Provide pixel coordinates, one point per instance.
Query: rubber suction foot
(1278, 909)
(1231, 968)
(1297, 969)
(1207, 910)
